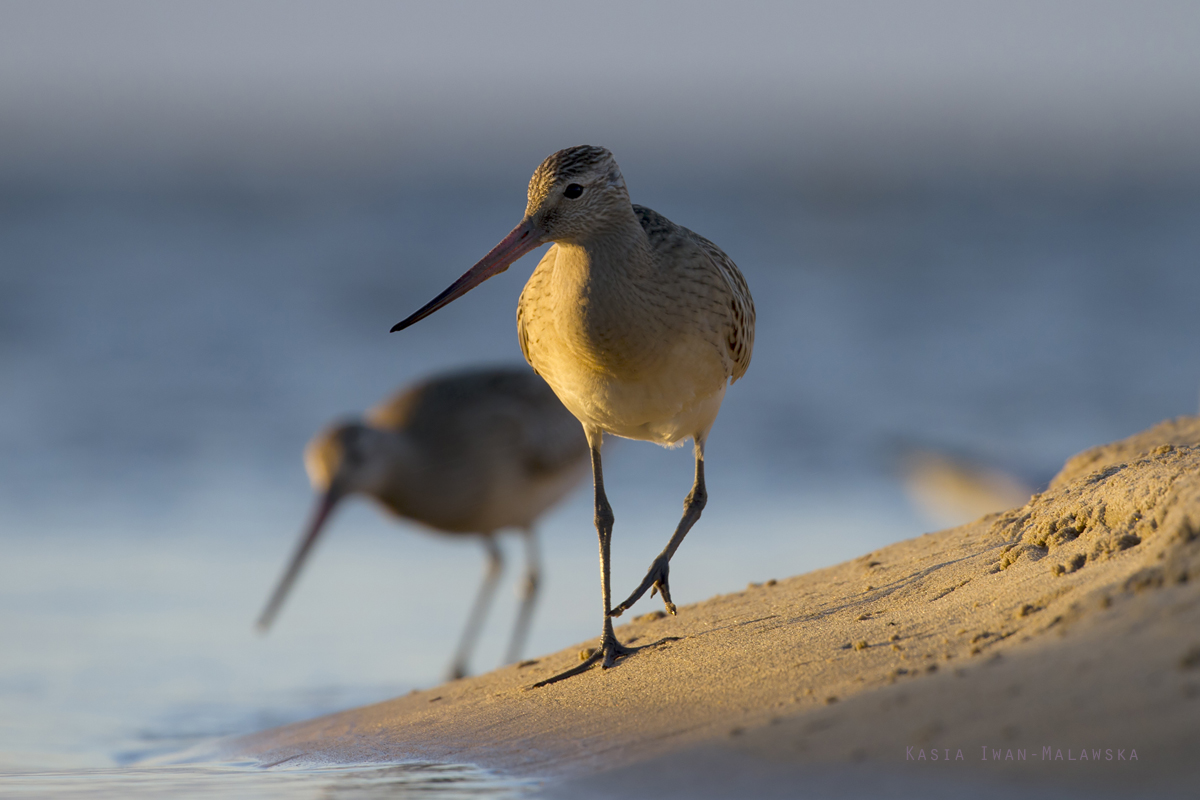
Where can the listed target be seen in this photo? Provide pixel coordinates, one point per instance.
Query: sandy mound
(1071, 623)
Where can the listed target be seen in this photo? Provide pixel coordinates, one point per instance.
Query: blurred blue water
(361, 782)
(165, 355)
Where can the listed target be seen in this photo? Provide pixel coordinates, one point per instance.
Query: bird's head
(573, 193)
(346, 458)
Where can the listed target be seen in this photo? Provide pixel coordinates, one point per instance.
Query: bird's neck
(619, 252)
(602, 299)
(394, 476)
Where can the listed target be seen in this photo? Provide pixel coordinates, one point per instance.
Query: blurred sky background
(972, 229)
(120, 92)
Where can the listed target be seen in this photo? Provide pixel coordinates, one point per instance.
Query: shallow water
(359, 782)
(165, 356)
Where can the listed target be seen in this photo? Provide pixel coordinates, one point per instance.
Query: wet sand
(1068, 627)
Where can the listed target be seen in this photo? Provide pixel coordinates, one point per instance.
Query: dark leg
(610, 649)
(495, 566)
(529, 588)
(656, 577)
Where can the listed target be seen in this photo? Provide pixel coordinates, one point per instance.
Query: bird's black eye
(572, 191)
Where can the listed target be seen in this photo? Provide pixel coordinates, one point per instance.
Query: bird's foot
(655, 581)
(606, 655)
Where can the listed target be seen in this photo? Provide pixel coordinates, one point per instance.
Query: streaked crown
(573, 164)
(599, 191)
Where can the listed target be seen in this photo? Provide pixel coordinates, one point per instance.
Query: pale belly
(676, 399)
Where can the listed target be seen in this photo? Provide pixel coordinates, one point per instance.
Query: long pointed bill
(324, 506)
(521, 240)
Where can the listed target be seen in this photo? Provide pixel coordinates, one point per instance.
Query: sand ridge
(1075, 618)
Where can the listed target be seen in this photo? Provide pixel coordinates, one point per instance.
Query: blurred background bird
(469, 453)
(953, 488)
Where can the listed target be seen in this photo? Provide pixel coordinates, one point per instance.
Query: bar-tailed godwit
(467, 453)
(638, 324)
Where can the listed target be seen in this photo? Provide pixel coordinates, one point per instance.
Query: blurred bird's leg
(610, 649)
(656, 577)
(495, 565)
(528, 594)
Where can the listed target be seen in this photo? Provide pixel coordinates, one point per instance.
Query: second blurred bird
(468, 453)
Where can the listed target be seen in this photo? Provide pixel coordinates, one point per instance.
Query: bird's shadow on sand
(589, 658)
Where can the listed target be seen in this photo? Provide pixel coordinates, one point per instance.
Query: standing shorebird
(468, 453)
(637, 324)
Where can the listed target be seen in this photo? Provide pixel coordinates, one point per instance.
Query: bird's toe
(656, 581)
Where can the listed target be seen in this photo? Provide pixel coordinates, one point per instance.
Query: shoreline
(1071, 622)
